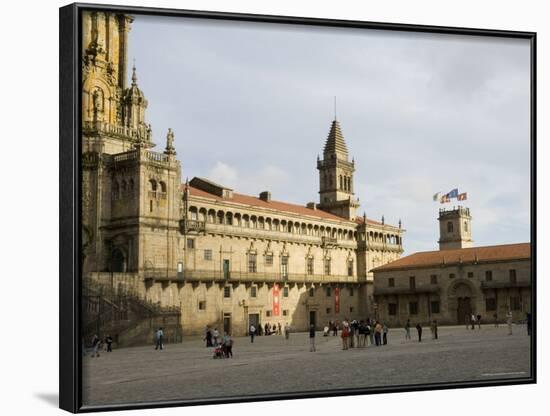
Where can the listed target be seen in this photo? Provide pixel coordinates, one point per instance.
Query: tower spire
(335, 108)
(134, 76)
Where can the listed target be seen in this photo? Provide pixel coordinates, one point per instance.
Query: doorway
(464, 310)
(227, 323)
(253, 319)
(313, 318)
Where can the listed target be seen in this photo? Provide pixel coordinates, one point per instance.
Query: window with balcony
(309, 267)
(253, 291)
(284, 267)
(285, 292)
(252, 263)
(227, 291)
(269, 259)
(513, 277)
(350, 267)
(327, 267)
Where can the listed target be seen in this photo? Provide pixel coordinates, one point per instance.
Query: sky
(251, 106)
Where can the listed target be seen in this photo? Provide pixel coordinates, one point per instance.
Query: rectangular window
(350, 268)
(490, 304)
(208, 255)
(202, 305)
(285, 292)
(285, 312)
(190, 243)
(284, 267)
(329, 311)
(253, 291)
(269, 259)
(329, 291)
(227, 291)
(515, 303)
(513, 277)
(412, 282)
(251, 262)
(309, 265)
(434, 305)
(351, 309)
(470, 274)
(351, 291)
(452, 275)
(391, 282)
(327, 267)
(488, 276)
(433, 279)
(311, 292)
(268, 313)
(413, 308)
(392, 308)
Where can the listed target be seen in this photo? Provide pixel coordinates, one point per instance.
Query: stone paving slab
(274, 365)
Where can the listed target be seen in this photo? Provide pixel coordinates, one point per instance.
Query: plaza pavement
(274, 365)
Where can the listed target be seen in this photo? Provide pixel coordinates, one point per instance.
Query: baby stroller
(219, 351)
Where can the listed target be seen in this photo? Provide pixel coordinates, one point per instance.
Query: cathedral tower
(336, 176)
(455, 229)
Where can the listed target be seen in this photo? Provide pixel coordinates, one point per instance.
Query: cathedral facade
(219, 257)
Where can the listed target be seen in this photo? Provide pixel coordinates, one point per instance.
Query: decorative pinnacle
(134, 76)
(382, 220)
(399, 222)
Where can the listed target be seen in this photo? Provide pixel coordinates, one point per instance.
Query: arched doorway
(463, 295)
(118, 261)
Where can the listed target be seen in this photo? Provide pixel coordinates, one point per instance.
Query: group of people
(268, 329)
(418, 326)
(356, 333)
(223, 345)
(97, 345)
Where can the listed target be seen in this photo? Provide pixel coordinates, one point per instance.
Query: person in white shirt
(252, 332)
(159, 336)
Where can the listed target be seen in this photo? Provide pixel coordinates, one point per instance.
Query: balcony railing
(192, 226)
(116, 129)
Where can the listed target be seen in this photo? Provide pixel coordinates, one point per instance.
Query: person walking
(159, 335)
(495, 318)
(109, 342)
(509, 322)
(344, 334)
(279, 329)
(312, 338)
(287, 331)
(378, 334)
(215, 336)
(433, 328)
(473, 321)
(529, 323)
(252, 332)
(419, 330)
(478, 321)
(371, 334)
(408, 330)
(384, 334)
(208, 337)
(96, 342)
(228, 345)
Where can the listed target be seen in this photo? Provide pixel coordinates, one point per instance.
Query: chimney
(310, 205)
(265, 196)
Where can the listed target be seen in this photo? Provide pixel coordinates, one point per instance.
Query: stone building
(456, 281)
(219, 257)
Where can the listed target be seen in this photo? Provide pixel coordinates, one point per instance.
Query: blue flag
(453, 193)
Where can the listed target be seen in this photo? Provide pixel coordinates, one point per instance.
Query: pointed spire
(399, 222)
(365, 217)
(335, 144)
(382, 220)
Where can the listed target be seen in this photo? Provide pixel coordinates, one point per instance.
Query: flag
(437, 196)
(462, 197)
(445, 198)
(453, 193)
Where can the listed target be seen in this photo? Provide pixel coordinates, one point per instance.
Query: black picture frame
(70, 384)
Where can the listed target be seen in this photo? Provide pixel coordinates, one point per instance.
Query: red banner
(276, 300)
(337, 300)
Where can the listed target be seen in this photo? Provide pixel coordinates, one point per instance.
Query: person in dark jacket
(312, 338)
(419, 329)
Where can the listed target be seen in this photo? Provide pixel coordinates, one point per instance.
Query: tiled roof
(274, 205)
(425, 259)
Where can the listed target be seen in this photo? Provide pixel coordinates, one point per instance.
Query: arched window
(449, 227)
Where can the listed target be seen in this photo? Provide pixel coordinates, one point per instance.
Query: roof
(274, 205)
(335, 141)
(424, 259)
